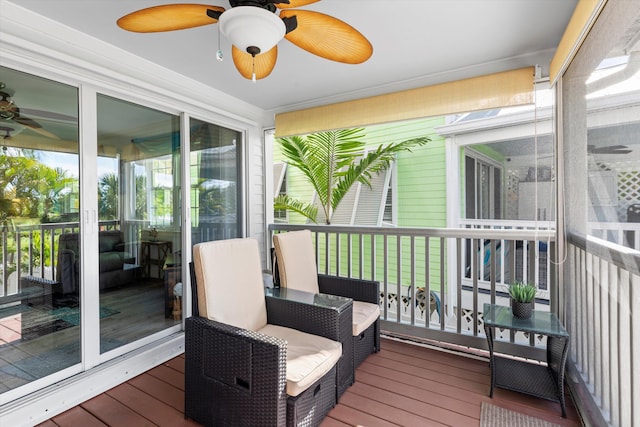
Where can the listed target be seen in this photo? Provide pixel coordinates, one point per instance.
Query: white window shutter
(279, 169)
(370, 206)
(361, 205)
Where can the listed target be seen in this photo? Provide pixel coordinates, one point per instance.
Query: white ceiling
(415, 42)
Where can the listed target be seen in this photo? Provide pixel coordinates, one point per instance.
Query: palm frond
(307, 210)
(329, 161)
(374, 162)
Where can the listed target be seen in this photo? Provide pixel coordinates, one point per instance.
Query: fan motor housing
(265, 4)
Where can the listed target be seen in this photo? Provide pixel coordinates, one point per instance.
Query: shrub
(522, 292)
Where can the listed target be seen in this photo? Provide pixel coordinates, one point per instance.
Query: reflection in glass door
(139, 219)
(39, 206)
(215, 182)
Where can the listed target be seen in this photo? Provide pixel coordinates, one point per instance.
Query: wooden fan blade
(168, 17)
(49, 115)
(264, 62)
(328, 37)
(35, 126)
(30, 123)
(295, 3)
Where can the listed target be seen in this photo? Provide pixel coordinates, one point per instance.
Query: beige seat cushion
(296, 260)
(297, 267)
(309, 357)
(229, 281)
(364, 314)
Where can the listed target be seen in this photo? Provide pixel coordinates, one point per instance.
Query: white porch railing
(625, 234)
(602, 314)
(32, 250)
(525, 255)
(413, 263)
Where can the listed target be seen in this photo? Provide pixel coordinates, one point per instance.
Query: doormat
(48, 362)
(38, 321)
(495, 416)
(72, 315)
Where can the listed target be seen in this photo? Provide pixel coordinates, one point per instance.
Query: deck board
(402, 385)
(112, 412)
(77, 416)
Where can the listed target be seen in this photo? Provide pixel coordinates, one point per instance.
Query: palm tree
(332, 161)
(108, 191)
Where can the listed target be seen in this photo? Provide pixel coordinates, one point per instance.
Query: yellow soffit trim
(581, 21)
(497, 90)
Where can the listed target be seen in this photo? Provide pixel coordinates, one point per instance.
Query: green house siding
(421, 202)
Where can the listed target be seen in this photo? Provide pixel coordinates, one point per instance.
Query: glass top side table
(538, 380)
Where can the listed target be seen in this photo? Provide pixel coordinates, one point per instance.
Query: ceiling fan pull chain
(253, 64)
(219, 55)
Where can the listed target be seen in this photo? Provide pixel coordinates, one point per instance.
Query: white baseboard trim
(57, 398)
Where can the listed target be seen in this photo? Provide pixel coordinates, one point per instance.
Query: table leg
(557, 350)
(489, 333)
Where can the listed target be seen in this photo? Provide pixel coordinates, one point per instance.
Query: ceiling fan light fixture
(252, 29)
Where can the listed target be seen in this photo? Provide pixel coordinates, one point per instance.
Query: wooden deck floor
(403, 385)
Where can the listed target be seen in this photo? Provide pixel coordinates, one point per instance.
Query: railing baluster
(596, 357)
(459, 290)
(349, 255)
(385, 274)
(443, 288)
(19, 259)
(317, 243)
(615, 338)
(398, 278)
(512, 259)
(373, 257)
(338, 245)
(411, 293)
(493, 269)
(52, 252)
(480, 270)
(579, 299)
(605, 321)
(442, 275)
(427, 281)
(5, 262)
(476, 245)
(361, 256)
(588, 296)
(41, 248)
(634, 298)
(625, 332)
(326, 253)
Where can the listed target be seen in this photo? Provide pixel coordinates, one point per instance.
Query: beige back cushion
(296, 260)
(229, 282)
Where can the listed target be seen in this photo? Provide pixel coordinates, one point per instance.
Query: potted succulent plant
(522, 295)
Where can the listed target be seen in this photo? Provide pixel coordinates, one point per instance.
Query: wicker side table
(342, 332)
(537, 380)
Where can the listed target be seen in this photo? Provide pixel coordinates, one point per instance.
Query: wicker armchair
(295, 263)
(239, 369)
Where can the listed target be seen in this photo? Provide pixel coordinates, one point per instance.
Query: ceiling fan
(611, 149)
(255, 27)
(9, 111)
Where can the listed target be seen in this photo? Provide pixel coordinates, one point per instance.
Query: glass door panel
(39, 206)
(139, 219)
(215, 182)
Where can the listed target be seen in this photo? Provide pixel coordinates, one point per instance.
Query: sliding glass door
(215, 161)
(91, 254)
(39, 207)
(139, 247)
